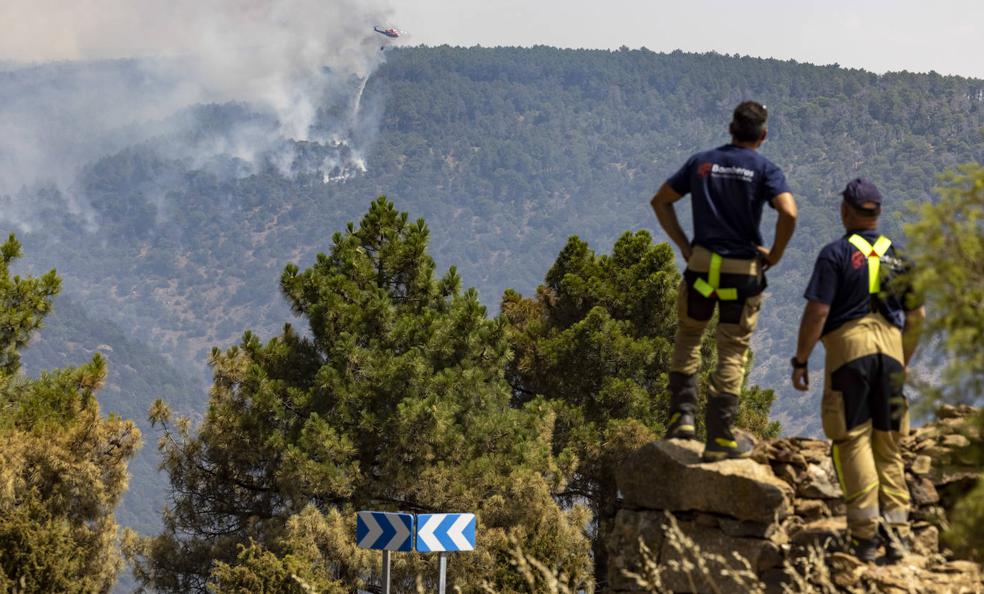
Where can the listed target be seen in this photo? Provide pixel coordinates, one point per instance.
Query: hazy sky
(880, 35)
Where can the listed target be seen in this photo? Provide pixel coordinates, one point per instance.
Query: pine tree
(594, 345)
(393, 399)
(62, 465)
(946, 242)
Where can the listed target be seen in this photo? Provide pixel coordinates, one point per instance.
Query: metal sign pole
(443, 582)
(386, 572)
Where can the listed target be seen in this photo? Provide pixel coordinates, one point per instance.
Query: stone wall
(773, 508)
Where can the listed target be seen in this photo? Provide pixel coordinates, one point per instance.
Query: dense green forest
(506, 153)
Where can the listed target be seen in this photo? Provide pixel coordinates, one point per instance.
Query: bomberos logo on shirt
(732, 172)
(721, 171)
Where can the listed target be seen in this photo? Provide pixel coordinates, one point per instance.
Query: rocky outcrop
(741, 489)
(780, 509)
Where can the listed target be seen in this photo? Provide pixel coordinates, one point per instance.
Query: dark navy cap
(861, 193)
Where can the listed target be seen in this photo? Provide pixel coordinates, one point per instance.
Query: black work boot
(683, 403)
(896, 543)
(722, 442)
(865, 549)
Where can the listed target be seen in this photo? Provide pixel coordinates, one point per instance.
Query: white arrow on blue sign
(445, 532)
(384, 531)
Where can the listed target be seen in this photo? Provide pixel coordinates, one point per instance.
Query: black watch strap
(797, 364)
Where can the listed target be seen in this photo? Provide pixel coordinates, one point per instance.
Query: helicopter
(391, 32)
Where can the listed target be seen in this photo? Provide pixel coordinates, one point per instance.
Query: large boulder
(748, 507)
(629, 531)
(680, 549)
(669, 475)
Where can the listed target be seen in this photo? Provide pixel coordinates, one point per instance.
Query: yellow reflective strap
(674, 418)
(882, 245)
(713, 283)
(685, 428)
(874, 254)
(862, 492)
(703, 288)
(839, 470)
(861, 243)
(900, 494)
(874, 263)
(874, 270)
(714, 276)
(726, 443)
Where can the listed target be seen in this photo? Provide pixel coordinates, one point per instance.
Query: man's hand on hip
(768, 260)
(801, 379)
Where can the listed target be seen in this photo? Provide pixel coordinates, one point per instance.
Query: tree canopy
(594, 344)
(63, 466)
(947, 243)
(394, 398)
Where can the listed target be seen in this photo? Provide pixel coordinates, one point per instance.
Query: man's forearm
(662, 204)
(666, 215)
(811, 327)
(785, 225)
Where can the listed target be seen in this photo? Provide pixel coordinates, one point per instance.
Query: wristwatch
(797, 364)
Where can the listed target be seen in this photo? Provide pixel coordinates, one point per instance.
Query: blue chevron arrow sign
(445, 532)
(384, 531)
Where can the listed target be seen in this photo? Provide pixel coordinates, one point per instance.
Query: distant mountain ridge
(505, 152)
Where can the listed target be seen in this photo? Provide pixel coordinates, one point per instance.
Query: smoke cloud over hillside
(82, 80)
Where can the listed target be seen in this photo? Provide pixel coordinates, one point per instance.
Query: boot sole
(681, 435)
(719, 456)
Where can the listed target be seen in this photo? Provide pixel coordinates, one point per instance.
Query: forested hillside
(506, 153)
(137, 374)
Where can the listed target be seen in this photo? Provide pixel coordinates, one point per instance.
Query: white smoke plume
(80, 80)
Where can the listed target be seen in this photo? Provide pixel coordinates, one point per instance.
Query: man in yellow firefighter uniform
(869, 322)
(729, 186)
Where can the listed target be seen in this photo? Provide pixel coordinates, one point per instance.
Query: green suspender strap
(709, 287)
(874, 254)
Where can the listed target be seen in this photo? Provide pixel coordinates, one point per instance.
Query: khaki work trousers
(865, 414)
(736, 321)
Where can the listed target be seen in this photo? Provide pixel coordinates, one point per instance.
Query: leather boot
(722, 442)
(896, 539)
(865, 549)
(683, 404)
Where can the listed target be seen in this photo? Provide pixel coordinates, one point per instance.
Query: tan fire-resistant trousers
(865, 414)
(736, 322)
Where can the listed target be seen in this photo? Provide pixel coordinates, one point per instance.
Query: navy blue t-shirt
(728, 187)
(840, 280)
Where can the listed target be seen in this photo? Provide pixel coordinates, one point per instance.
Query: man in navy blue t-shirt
(869, 325)
(726, 261)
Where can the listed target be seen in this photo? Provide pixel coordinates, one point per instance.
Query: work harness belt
(874, 254)
(708, 288)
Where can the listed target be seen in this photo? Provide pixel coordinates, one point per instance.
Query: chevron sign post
(384, 531)
(437, 533)
(444, 533)
(387, 532)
